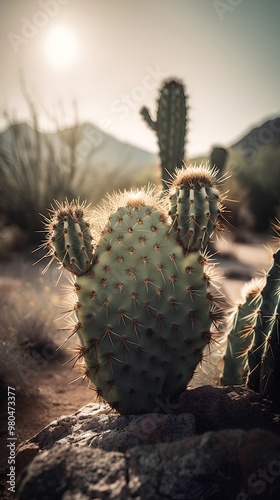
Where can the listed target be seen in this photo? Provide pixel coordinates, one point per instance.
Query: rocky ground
(214, 442)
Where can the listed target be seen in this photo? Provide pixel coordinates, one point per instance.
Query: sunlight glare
(61, 47)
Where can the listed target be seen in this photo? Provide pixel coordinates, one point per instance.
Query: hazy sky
(226, 52)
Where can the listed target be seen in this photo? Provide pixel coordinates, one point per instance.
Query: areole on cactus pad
(146, 306)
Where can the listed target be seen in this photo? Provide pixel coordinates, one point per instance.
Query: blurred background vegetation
(253, 184)
(35, 170)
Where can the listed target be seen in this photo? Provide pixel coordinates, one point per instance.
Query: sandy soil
(52, 394)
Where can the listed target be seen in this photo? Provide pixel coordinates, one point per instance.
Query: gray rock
(70, 473)
(96, 426)
(217, 408)
(152, 428)
(97, 453)
(232, 465)
(227, 465)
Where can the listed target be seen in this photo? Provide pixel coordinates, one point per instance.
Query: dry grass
(28, 332)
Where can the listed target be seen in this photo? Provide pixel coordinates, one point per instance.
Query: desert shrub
(28, 333)
(261, 178)
(238, 211)
(253, 187)
(32, 175)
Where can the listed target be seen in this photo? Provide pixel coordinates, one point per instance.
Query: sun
(61, 47)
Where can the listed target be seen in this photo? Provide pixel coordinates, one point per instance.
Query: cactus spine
(146, 307)
(261, 354)
(170, 127)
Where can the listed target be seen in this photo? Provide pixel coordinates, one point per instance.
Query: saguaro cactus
(146, 306)
(170, 126)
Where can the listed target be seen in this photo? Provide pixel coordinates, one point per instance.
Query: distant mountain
(267, 133)
(103, 153)
(93, 148)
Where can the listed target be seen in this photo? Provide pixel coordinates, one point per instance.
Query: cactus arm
(195, 206)
(69, 238)
(263, 327)
(148, 119)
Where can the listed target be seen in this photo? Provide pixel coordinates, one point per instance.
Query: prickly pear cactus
(146, 307)
(170, 127)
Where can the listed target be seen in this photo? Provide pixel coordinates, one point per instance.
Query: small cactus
(146, 306)
(253, 352)
(170, 127)
(218, 158)
(263, 326)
